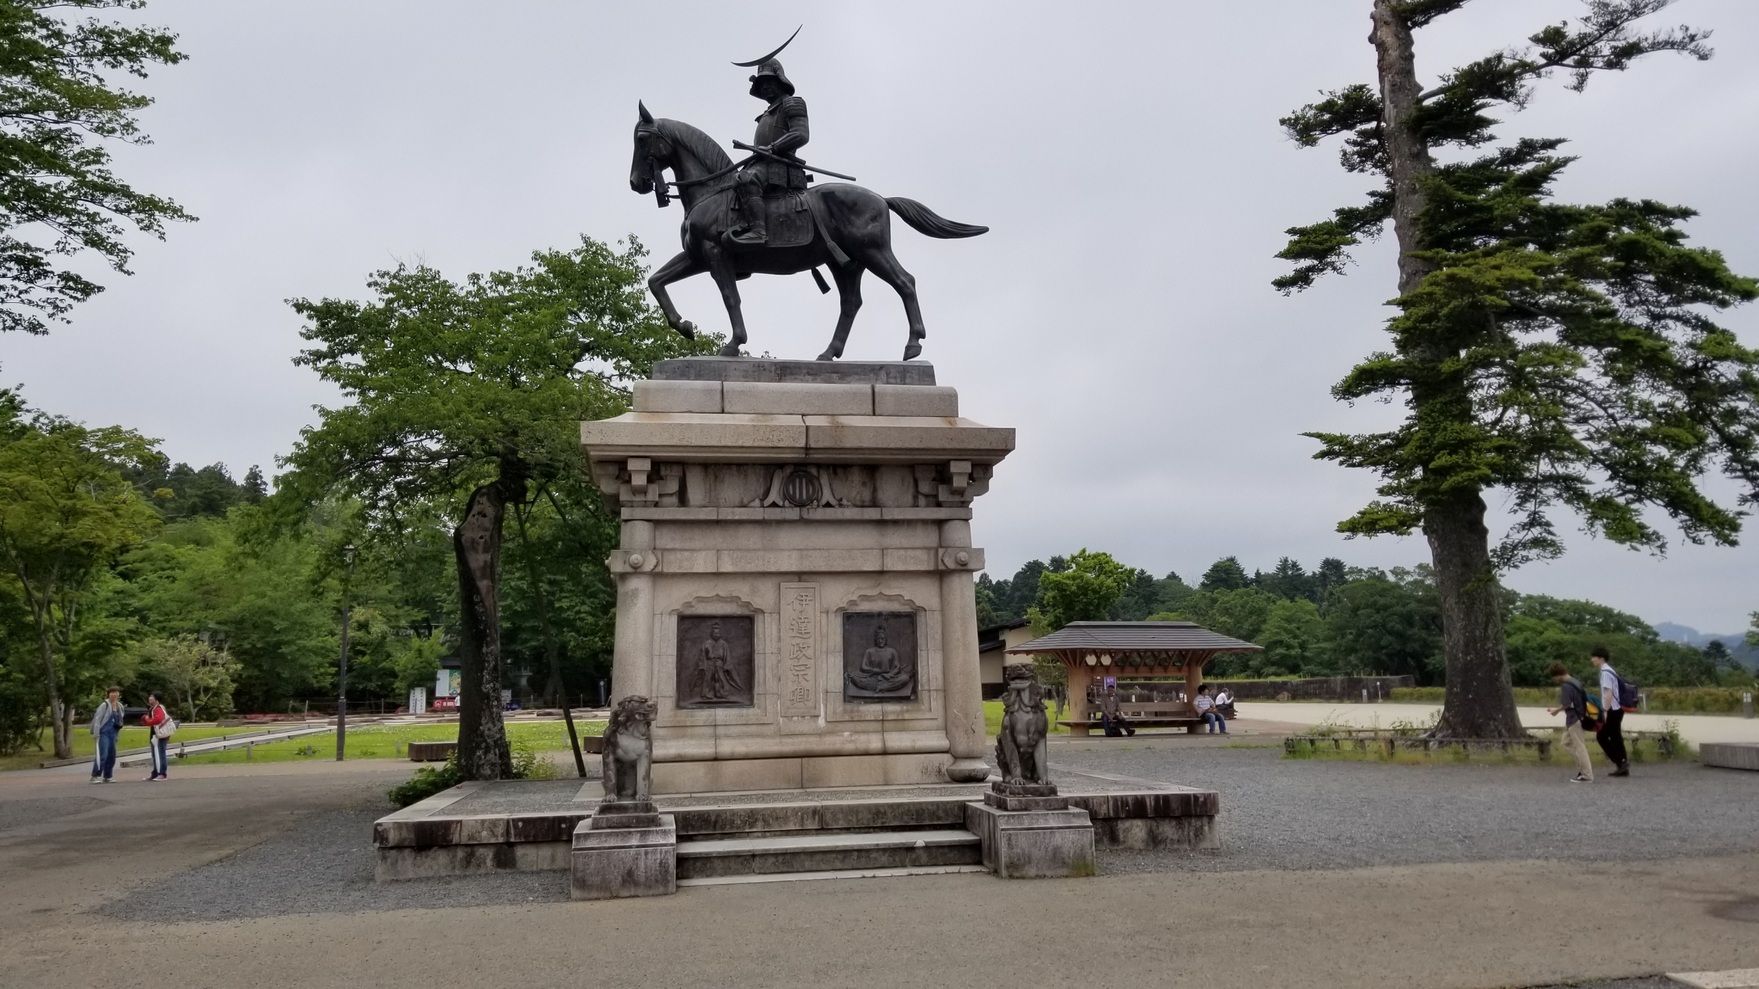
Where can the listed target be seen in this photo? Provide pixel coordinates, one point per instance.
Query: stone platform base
(613, 862)
(1730, 755)
(520, 825)
(1033, 844)
(799, 773)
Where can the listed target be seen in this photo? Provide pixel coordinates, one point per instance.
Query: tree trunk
(1479, 701)
(60, 714)
(1408, 159)
(476, 544)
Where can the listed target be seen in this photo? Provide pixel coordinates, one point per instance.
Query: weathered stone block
(677, 396)
(608, 863)
(907, 400)
(747, 369)
(1730, 755)
(1043, 844)
(798, 399)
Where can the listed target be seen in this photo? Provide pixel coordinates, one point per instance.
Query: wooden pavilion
(1130, 649)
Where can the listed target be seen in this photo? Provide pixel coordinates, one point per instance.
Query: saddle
(786, 216)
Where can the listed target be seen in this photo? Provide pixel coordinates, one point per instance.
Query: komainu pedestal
(795, 571)
(1028, 831)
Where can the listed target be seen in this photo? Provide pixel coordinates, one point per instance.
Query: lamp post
(342, 673)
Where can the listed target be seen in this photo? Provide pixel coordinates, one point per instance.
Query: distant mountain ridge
(1747, 655)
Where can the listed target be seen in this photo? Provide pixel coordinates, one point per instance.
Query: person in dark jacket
(1572, 700)
(1110, 717)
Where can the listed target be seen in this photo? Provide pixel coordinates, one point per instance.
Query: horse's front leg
(720, 267)
(677, 269)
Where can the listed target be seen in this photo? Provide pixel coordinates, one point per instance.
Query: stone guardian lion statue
(1021, 744)
(629, 750)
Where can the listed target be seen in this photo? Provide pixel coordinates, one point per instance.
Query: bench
(431, 751)
(1145, 714)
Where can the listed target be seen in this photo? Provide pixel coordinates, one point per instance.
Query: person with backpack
(1578, 710)
(1610, 734)
(160, 725)
(106, 725)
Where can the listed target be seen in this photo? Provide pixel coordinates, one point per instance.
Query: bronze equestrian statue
(759, 216)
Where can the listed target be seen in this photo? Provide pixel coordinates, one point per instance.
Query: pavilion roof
(1135, 637)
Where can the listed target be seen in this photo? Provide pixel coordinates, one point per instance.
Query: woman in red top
(156, 715)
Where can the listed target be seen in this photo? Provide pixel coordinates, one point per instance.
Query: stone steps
(794, 877)
(827, 852)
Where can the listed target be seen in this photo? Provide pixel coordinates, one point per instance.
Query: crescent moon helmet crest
(759, 61)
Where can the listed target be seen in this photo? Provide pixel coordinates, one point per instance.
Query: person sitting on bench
(1212, 718)
(1110, 717)
(1224, 702)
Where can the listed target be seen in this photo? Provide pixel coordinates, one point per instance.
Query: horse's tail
(924, 220)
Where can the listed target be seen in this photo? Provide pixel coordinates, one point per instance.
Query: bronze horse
(852, 233)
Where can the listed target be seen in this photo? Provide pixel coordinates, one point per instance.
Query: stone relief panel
(716, 661)
(879, 655)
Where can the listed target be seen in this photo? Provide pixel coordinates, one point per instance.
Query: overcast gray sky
(1158, 384)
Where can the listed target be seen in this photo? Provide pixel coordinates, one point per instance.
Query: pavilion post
(1079, 677)
(1193, 679)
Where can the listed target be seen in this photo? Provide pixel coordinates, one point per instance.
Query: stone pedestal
(1031, 834)
(611, 860)
(795, 571)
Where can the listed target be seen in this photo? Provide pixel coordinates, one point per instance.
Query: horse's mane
(696, 142)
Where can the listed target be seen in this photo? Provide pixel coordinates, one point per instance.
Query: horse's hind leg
(885, 264)
(680, 267)
(848, 279)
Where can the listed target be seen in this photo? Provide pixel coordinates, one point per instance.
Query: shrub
(429, 780)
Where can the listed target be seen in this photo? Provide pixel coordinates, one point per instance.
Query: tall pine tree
(1560, 355)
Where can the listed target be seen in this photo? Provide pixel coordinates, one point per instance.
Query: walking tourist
(1207, 711)
(106, 725)
(156, 715)
(1610, 735)
(1572, 700)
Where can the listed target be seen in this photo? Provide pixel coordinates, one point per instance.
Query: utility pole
(342, 675)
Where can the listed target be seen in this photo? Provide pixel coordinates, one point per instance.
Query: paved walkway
(97, 879)
(1695, 728)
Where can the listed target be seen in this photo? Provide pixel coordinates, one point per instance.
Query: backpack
(166, 728)
(1590, 707)
(1629, 699)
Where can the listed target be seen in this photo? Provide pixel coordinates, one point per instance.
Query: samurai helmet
(772, 69)
(768, 67)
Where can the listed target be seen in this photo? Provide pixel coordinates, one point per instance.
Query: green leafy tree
(1380, 626)
(197, 675)
(67, 512)
(1753, 630)
(1565, 355)
(1225, 574)
(255, 489)
(59, 115)
(474, 391)
(1084, 591)
(1293, 639)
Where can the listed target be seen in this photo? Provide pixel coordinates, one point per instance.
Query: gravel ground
(1316, 814)
(1652, 982)
(1276, 814)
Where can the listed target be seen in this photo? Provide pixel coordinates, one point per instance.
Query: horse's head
(652, 151)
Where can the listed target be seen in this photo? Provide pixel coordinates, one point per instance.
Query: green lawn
(992, 717)
(391, 742)
(85, 746)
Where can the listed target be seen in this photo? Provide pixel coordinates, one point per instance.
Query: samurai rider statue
(781, 128)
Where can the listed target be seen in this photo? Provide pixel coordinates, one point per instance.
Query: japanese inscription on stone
(800, 650)
(879, 655)
(715, 661)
